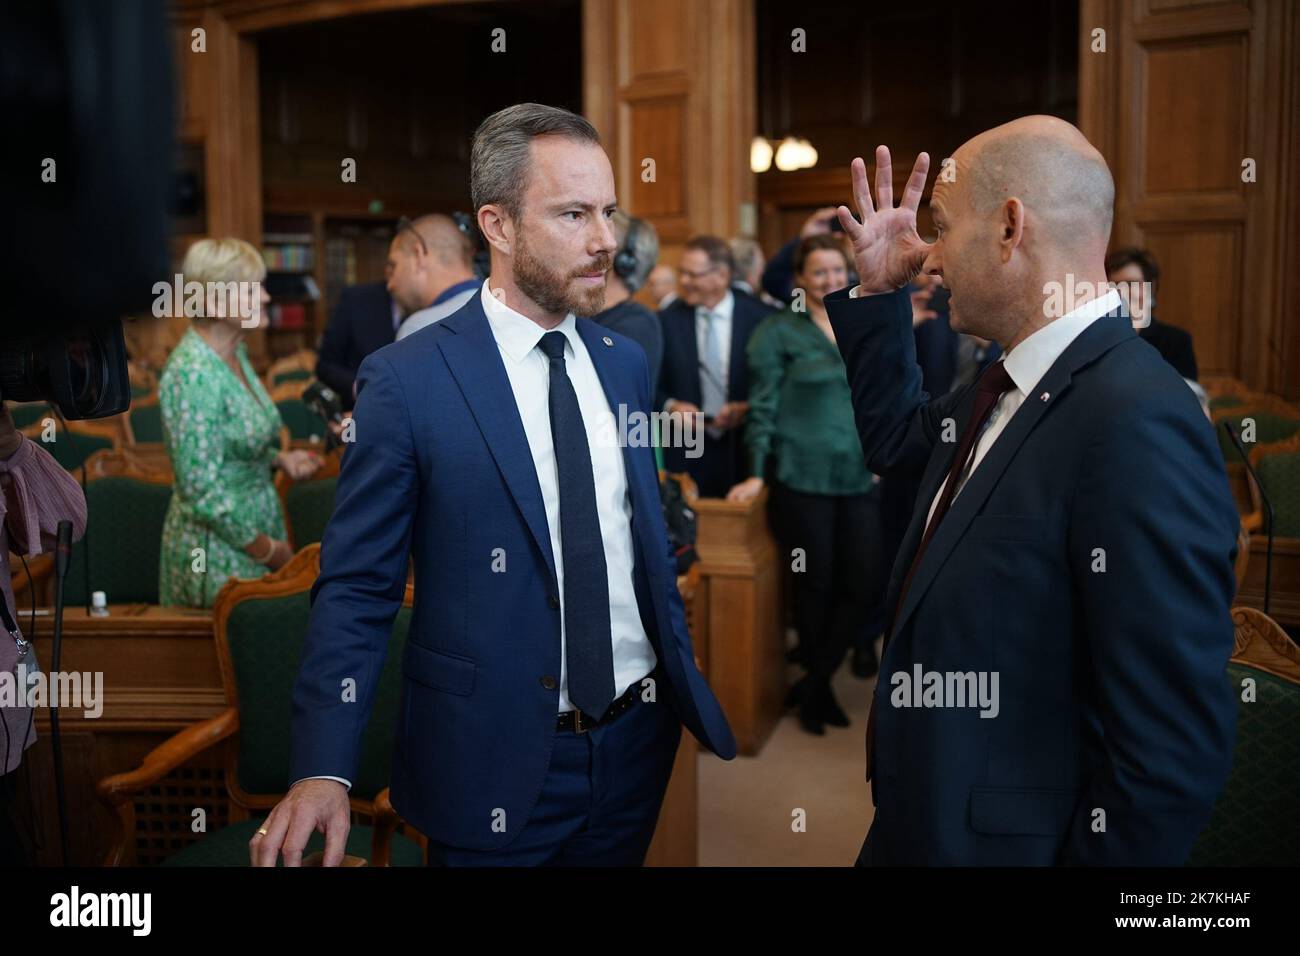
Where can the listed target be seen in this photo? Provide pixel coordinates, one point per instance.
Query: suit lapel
(738, 364)
(638, 463)
(1098, 338)
(475, 363)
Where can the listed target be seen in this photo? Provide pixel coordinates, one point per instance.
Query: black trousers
(833, 545)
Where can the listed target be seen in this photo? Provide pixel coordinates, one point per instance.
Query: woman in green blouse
(222, 432)
(801, 437)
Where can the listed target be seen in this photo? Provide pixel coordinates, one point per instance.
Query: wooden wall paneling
(674, 81)
(1185, 93)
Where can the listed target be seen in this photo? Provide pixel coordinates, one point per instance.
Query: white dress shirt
(1027, 363)
(433, 313)
(528, 369)
(722, 314)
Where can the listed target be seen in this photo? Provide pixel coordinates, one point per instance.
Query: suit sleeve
(1157, 633)
(331, 361)
(364, 558)
(661, 386)
(897, 422)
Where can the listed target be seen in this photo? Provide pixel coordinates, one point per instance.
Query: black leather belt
(579, 723)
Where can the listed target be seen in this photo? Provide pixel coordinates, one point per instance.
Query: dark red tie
(988, 390)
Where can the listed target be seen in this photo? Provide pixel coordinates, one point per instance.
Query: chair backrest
(308, 505)
(301, 420)
(29, 413)
(291, 375)
(70, 447)
(146, 422)
(1255, 821)
(260, 627)
(126, 504)
(1271, 425)
(1278, 465)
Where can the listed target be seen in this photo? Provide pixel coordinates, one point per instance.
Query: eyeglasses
(406, 223)
(687, 274)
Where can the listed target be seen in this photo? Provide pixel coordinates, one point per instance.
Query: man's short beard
(550, 290)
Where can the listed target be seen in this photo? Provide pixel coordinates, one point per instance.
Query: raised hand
(887, 250)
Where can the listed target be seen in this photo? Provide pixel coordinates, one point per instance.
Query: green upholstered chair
(1272, 424)
(259, 626)
(70, 448)
(146, 422)
(291, 375)
(307, 505)
(1255, 821)
(1280, 473)
(28, 413)
(126, 503)
(303, 423)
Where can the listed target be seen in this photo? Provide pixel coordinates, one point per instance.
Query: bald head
(1051, 168)
(442, 238)
(1027, 211)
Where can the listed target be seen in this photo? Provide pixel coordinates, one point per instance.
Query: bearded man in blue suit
(548, 670)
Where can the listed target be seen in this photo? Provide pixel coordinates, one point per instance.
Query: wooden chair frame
(119, 791)
(329, 469)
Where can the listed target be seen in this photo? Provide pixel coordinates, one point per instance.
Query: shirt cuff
(345, 783)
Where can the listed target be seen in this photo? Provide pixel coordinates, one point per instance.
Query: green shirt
(801, 411)
(222, 441)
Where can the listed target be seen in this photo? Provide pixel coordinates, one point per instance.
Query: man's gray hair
(499, 166)
(645, 247)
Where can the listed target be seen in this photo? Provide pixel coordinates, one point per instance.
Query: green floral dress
(222, 443)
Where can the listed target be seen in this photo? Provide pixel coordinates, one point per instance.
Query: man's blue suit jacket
(1088, 561)
(440, 470)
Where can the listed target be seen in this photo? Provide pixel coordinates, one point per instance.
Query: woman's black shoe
(798, 690)
(831, 711)
(810, 717)
(864, 664)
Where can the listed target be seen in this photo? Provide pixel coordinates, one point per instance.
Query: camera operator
(37, 495)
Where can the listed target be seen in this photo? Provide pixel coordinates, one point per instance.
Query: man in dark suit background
(548, 670)
(365, 319)
(1136, 271)
(704, 369)
(1052, 688)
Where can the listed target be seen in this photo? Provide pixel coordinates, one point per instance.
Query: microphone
(1268, 509)
(62, 556)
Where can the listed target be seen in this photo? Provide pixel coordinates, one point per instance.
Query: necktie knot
(996, 379)
(552, 344)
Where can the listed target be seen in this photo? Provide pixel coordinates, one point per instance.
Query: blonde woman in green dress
(222, 433)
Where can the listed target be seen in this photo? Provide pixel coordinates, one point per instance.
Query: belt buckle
(577, 722)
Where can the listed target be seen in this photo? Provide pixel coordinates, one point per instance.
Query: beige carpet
(747, 805)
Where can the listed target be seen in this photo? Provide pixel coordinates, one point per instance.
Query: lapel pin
(1045, 396)
(608, 341)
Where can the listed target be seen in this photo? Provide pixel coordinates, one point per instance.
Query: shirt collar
(516, 333)
(722, 310)
(1029, 361)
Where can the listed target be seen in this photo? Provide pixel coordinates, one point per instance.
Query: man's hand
(731, 414)
(887, 250)
(818, 224)
(310, 805)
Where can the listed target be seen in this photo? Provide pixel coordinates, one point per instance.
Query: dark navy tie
(587, 647)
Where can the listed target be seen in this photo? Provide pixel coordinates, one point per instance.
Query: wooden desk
(739, 619)
(160, 674)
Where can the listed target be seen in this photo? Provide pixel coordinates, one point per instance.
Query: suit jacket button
(553, 601)
(550, 683)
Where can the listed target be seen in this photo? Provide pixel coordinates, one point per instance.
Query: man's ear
(496, 228)
(1011, 226)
